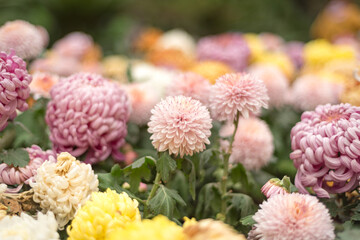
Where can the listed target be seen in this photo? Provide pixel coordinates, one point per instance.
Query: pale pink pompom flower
(88, 113)
(14, 87)
(293, 216)
(253, 144)
(180, 125)
(55, 64)
(237, 92)
(326, 149)
(27, 40)
(10, 175)
(190, 85)
(275, 81)
(74, 45)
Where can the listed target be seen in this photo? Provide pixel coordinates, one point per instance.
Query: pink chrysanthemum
(229, 48)
(88, 113)
(253, 144)
(295, 51)
(275, 82)
(293, 216)
(190, 85)
(55, 64)
(181, 125)
(14, 87)
(273, 187)
(326, 149)
(19, 176)
(42, 83)
(74, 45)
(237, 92)
(310, 91)
(271, 41)
(25, 39)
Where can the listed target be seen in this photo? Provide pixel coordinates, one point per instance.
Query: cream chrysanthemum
(63, 187)
(103, 214)
(293, 216)
(25, 227)
(181, 125)
(237, 92)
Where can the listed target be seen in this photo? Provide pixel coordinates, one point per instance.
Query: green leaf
(351, 232)
(238, 174)
(165, 165)
(209, 201)
(15, 157)
(139, 169)
(248, 220)
(241, 205)
(191, 177)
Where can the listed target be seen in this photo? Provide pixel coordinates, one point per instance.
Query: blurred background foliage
(112, 23)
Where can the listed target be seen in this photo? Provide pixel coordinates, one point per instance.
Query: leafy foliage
(165, 165)
(15, 157)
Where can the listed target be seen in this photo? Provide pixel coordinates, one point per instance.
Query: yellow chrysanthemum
(211, 70)
(281, 60)
(255, 44)
(103, 214)
(159, 228)
(351, 95)
(115, 67)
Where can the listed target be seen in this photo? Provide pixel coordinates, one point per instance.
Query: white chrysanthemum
(177, 39)
(63, 187)
(3, 188)
(25, 227)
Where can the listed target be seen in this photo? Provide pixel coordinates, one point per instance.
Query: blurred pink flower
(229, 48)
(190, 85)
(273, 187)
(295, 51)
(271, 41)
(14, 87)
(253, 144)
(181, 125)
(54, 64)
(88, 113)
(19, 176)
(326, 149)
(42, 83)
(237, 92)
(275, 81)
(74, 45)
(27, 40)
(293, 216)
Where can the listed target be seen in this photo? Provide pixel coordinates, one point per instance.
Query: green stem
(154, 188)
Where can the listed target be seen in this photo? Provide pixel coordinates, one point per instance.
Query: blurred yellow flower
(211, 70)
(255, 44)
(115, 67)
(281, 60)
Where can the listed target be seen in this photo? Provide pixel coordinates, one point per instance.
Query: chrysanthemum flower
(158, 228)
(211, 70)
(115, 67)
(253, 144)
(74, 45)
(278, 59)
(25, 39)
(63, 187)
(103, 214)
(255, 44)
(273, 187)
(147, 39)
(14, 87)
(237, 92)
(271, 41)
(42, 83)
(351, 95)
(210, 229)
(177, 39)
(230, 48)
(19, 176)
(88, 113)
(44, 227)
(181, 125)
(326, 149)
(170, 58)
(295, 51)
(275, 81)
(190, 85)
(293, 216)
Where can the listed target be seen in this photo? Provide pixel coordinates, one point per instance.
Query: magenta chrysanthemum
(88, 113)
(229, 48)
(181, 125)
(253, 144)
(293, 216)
(237, 92)
(326, 149)
(14, 87)
(27, 40)
(19, 176)
(190, 85)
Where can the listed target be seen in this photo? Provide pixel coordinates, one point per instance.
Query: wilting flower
(74, 45)
(88, 113)
(170, 58)
(11, 175)
(295, 51)
(190, 85)
(25, 39)
(275, 81)
(309, 91)
(14, 87)
(44, 227)
(326, 148)
(181, 125)
(229, 48)
(177, 39)
(293, 216)
(42, 83)
(115, 67)
(210, 229)
(211, 70)
(237, 92)
(276, 186)
(253, 144)
(103, 214)
(63, 187)
(158, 228)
